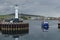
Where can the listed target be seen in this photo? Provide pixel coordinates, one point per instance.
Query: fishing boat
(45, 25)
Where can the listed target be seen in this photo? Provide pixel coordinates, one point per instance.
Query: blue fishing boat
(45, 26)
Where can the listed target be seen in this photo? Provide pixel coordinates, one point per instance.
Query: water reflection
(35, 32)
(22, 32)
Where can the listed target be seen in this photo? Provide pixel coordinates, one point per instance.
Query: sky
(48, 8)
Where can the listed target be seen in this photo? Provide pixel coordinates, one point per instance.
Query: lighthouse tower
(16, 14)
(16, 11)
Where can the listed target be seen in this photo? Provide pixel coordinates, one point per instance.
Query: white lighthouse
(16, 19)
(16, 11)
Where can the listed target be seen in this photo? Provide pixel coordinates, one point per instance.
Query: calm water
(35, 32)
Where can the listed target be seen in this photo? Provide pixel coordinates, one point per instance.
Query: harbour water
(36, 33)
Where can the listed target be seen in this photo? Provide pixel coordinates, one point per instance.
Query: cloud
(36, 7)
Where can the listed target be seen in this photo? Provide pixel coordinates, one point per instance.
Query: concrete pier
(58, 25)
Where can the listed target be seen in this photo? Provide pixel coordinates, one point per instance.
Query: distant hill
(26, 15)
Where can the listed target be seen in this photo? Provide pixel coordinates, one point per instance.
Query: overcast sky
(36, 7)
